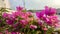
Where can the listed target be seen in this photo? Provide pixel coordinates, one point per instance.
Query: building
(58, 11)
(33, 11)
(4, 3)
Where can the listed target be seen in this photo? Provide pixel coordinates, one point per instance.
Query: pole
(23, 3)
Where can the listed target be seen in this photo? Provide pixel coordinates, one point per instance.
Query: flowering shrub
(24, 22)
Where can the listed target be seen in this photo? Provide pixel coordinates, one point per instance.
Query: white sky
(35, 4)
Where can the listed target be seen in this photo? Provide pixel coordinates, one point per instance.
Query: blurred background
(35, 4)
(31, 5)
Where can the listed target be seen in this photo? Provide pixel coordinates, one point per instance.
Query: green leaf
(24, 10)
(50, 31)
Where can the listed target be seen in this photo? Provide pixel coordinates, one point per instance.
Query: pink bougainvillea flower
(10, 22)
(45, 29)
(1, 33)
(24, 16)
(51, 20)
(37, 19)
(23, 22)
(33, 26)
(44, 18)
(13, 33)
(40, 14)
(29, 19)
(50, 11)
(53, 11)
(16, 13)
(46, 10)
(29, 13)
(19, 8)
(6, 32)
(10, 16)
(49, 23)
(54, 19)
(57, 25)
(4, 15)
(40, 23)
(18, 32)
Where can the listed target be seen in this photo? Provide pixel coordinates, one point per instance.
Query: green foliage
(3, 10)
(50, 31)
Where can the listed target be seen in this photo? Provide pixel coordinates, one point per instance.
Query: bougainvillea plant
(48, 18)
(23, 22)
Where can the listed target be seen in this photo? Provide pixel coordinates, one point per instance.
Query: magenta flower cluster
(48, 15)
(22, 21)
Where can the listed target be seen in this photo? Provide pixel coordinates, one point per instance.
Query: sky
(35, 4)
